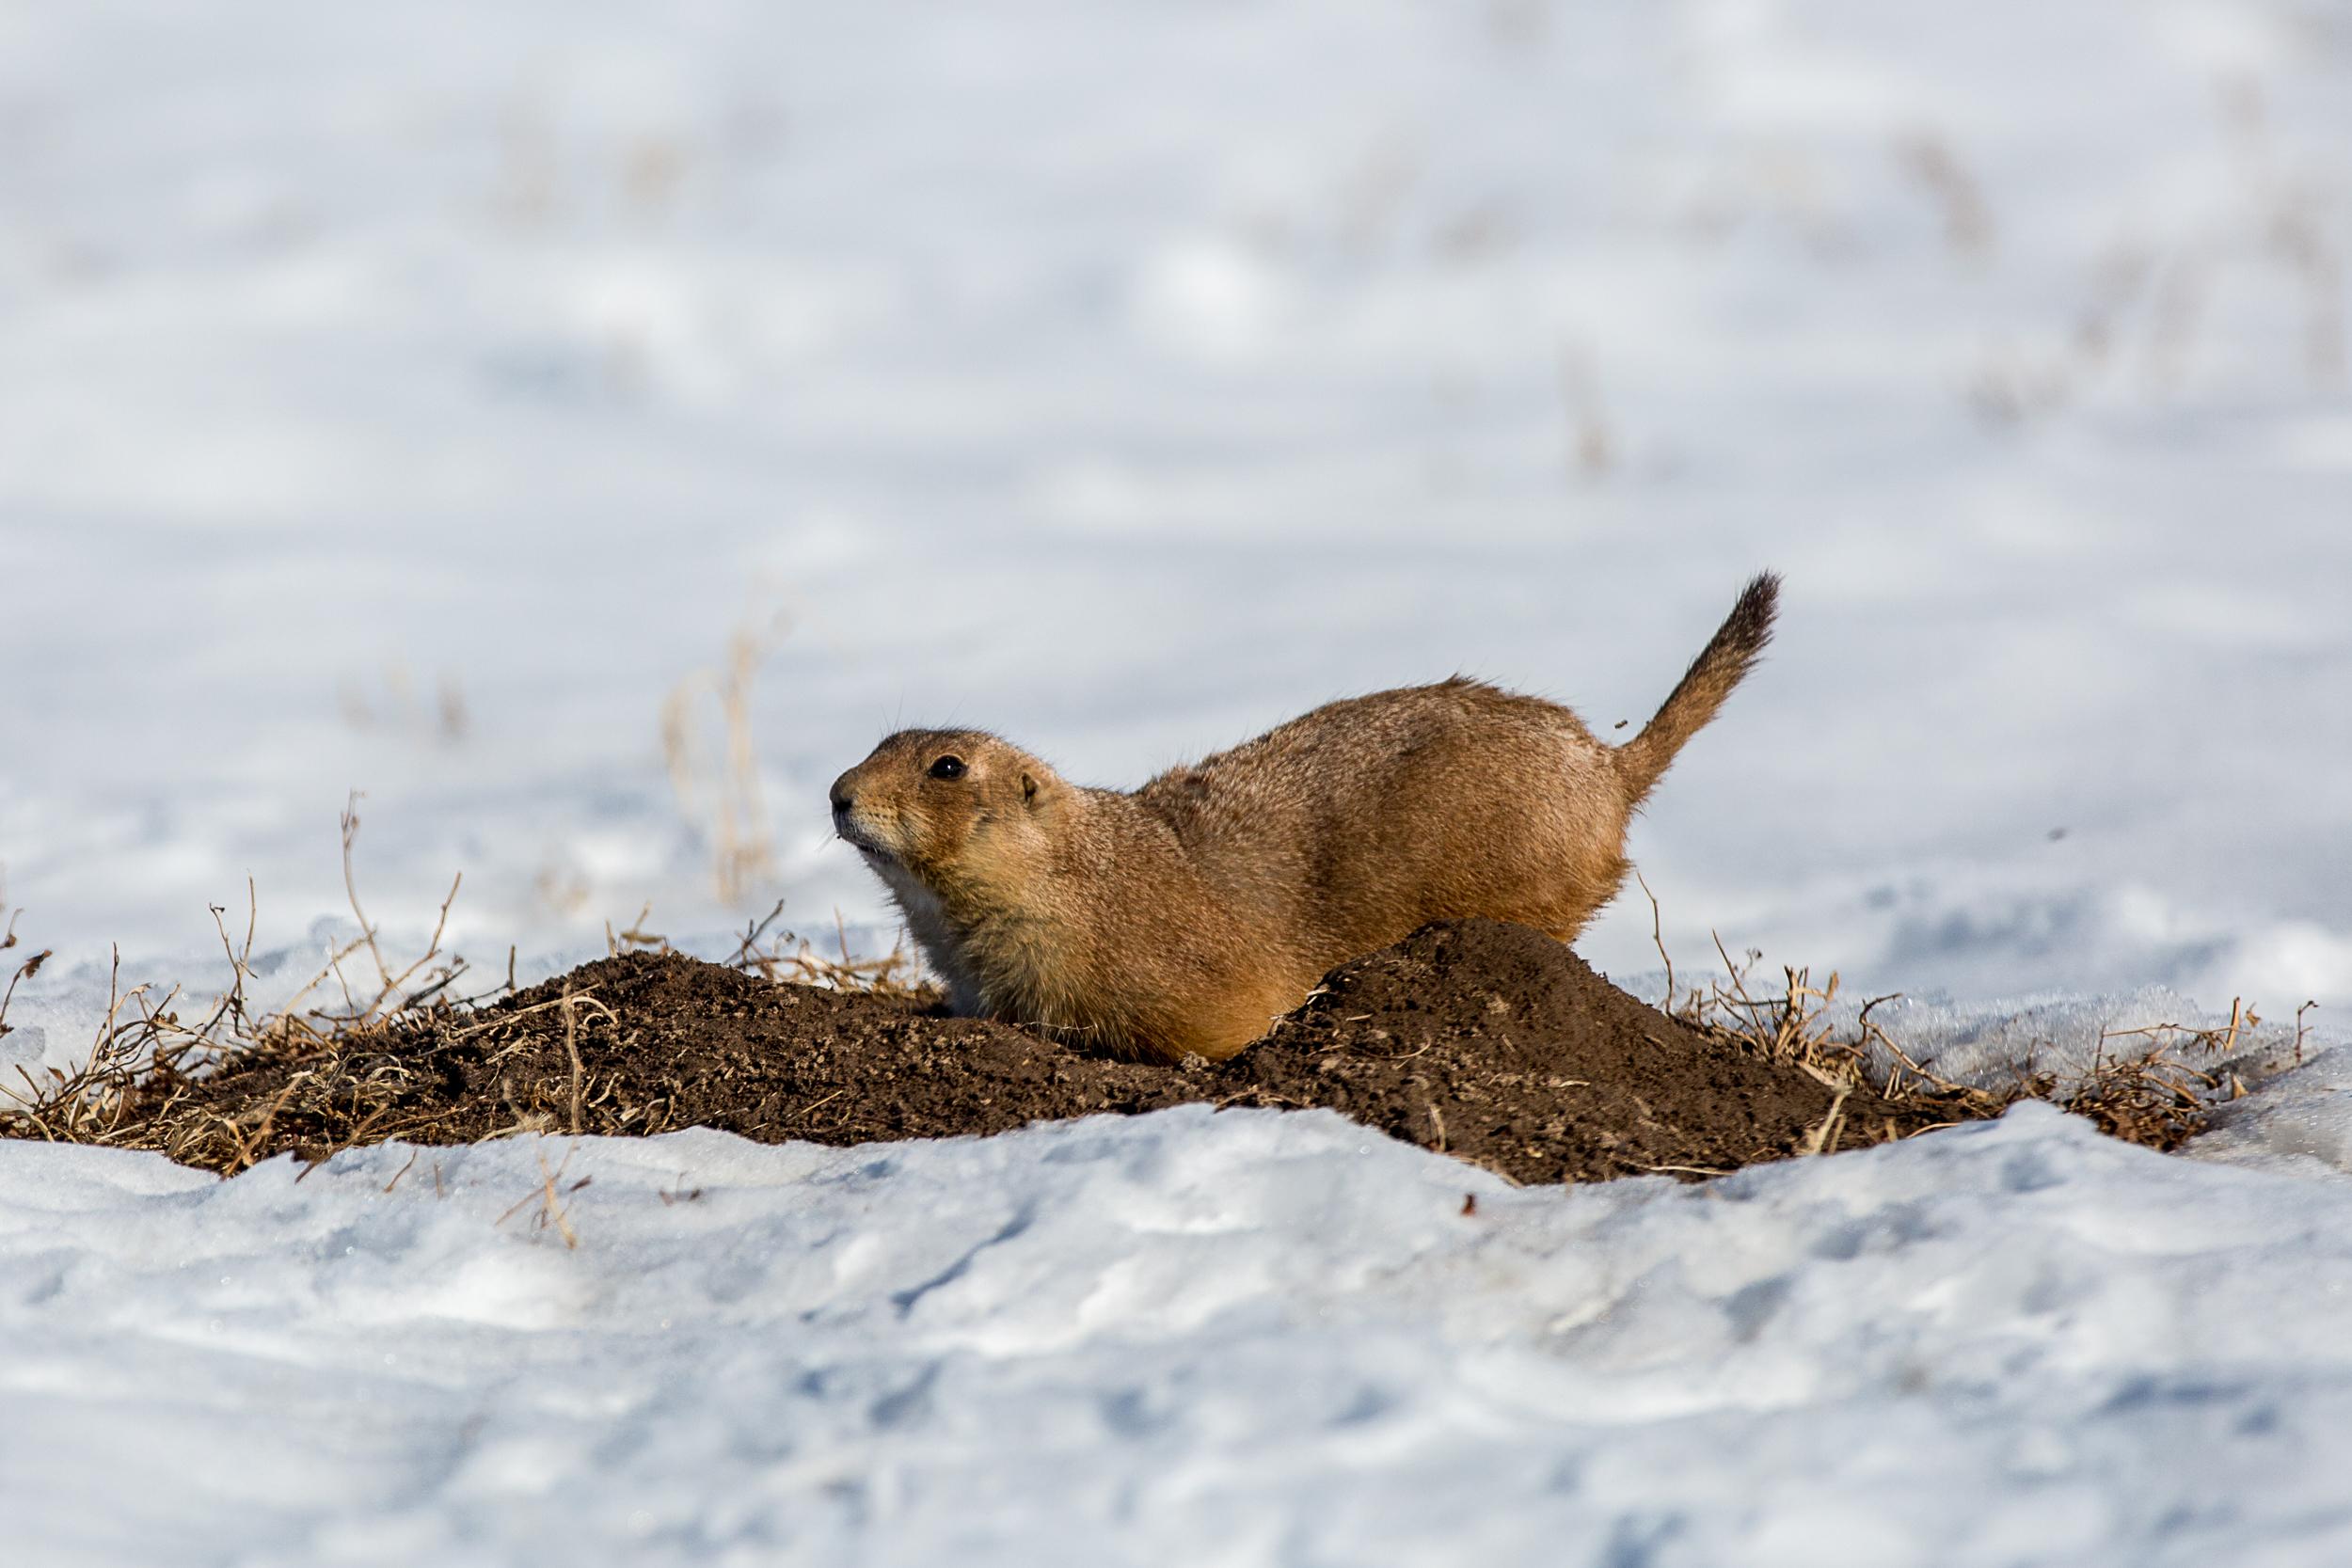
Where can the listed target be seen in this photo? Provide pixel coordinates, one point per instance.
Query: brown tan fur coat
(1188, 915)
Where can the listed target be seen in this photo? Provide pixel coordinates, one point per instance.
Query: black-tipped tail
(1726, 661)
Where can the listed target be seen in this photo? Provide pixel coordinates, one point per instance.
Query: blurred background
(586, 428)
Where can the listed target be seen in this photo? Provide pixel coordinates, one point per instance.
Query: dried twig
(1657, 936)
(552, 1214)
(351, 887)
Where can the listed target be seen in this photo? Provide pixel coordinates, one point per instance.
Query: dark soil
(1489, 1041)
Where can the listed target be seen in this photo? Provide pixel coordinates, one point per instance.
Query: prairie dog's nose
(843, 797)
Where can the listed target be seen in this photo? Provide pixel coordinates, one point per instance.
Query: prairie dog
(1189, 915)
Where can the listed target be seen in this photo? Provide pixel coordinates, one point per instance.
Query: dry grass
(395, 703)
(785, 957)
(1592, 441)
(721, 797)
(148, 1047)
(338, 1044)
(553, 1213)
(339, 1061)
(1935, 166)
(2144, 1085)
(26, 967)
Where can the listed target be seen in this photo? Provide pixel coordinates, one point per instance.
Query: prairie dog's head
(948, 808)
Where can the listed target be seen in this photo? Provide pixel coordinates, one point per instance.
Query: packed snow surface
(1235, 1337)
(477, 406)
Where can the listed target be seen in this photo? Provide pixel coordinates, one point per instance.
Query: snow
(1225, 1338)
(1130, 381)
(2299, 1122)
(439, 402)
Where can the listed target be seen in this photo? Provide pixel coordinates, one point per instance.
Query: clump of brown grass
(784, 958)
(146, 1052)
(2150, 1093)
(338, 1055)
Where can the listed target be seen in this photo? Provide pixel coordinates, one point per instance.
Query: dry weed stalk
(552, 1214)
(1959, 197)
(1824, 1136)
(723, 801)
(2290, 210)
(24, 971)
(403, 710)
(1592, 443)
(635, 938)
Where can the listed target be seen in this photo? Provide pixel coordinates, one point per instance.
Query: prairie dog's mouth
(864, 846)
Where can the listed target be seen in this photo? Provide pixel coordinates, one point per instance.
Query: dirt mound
(1489, 1041)
(1497, 1043)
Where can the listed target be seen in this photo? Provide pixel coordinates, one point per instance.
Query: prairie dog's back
(1405, 806)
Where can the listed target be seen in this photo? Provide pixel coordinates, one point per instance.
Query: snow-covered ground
(1237, 1339)
(427, 399)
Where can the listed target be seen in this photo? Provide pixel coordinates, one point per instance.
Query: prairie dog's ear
(1029, 790)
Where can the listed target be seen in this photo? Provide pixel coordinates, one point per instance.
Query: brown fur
(1188, 915)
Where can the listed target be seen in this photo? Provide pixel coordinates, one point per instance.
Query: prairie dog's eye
(947, 767)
